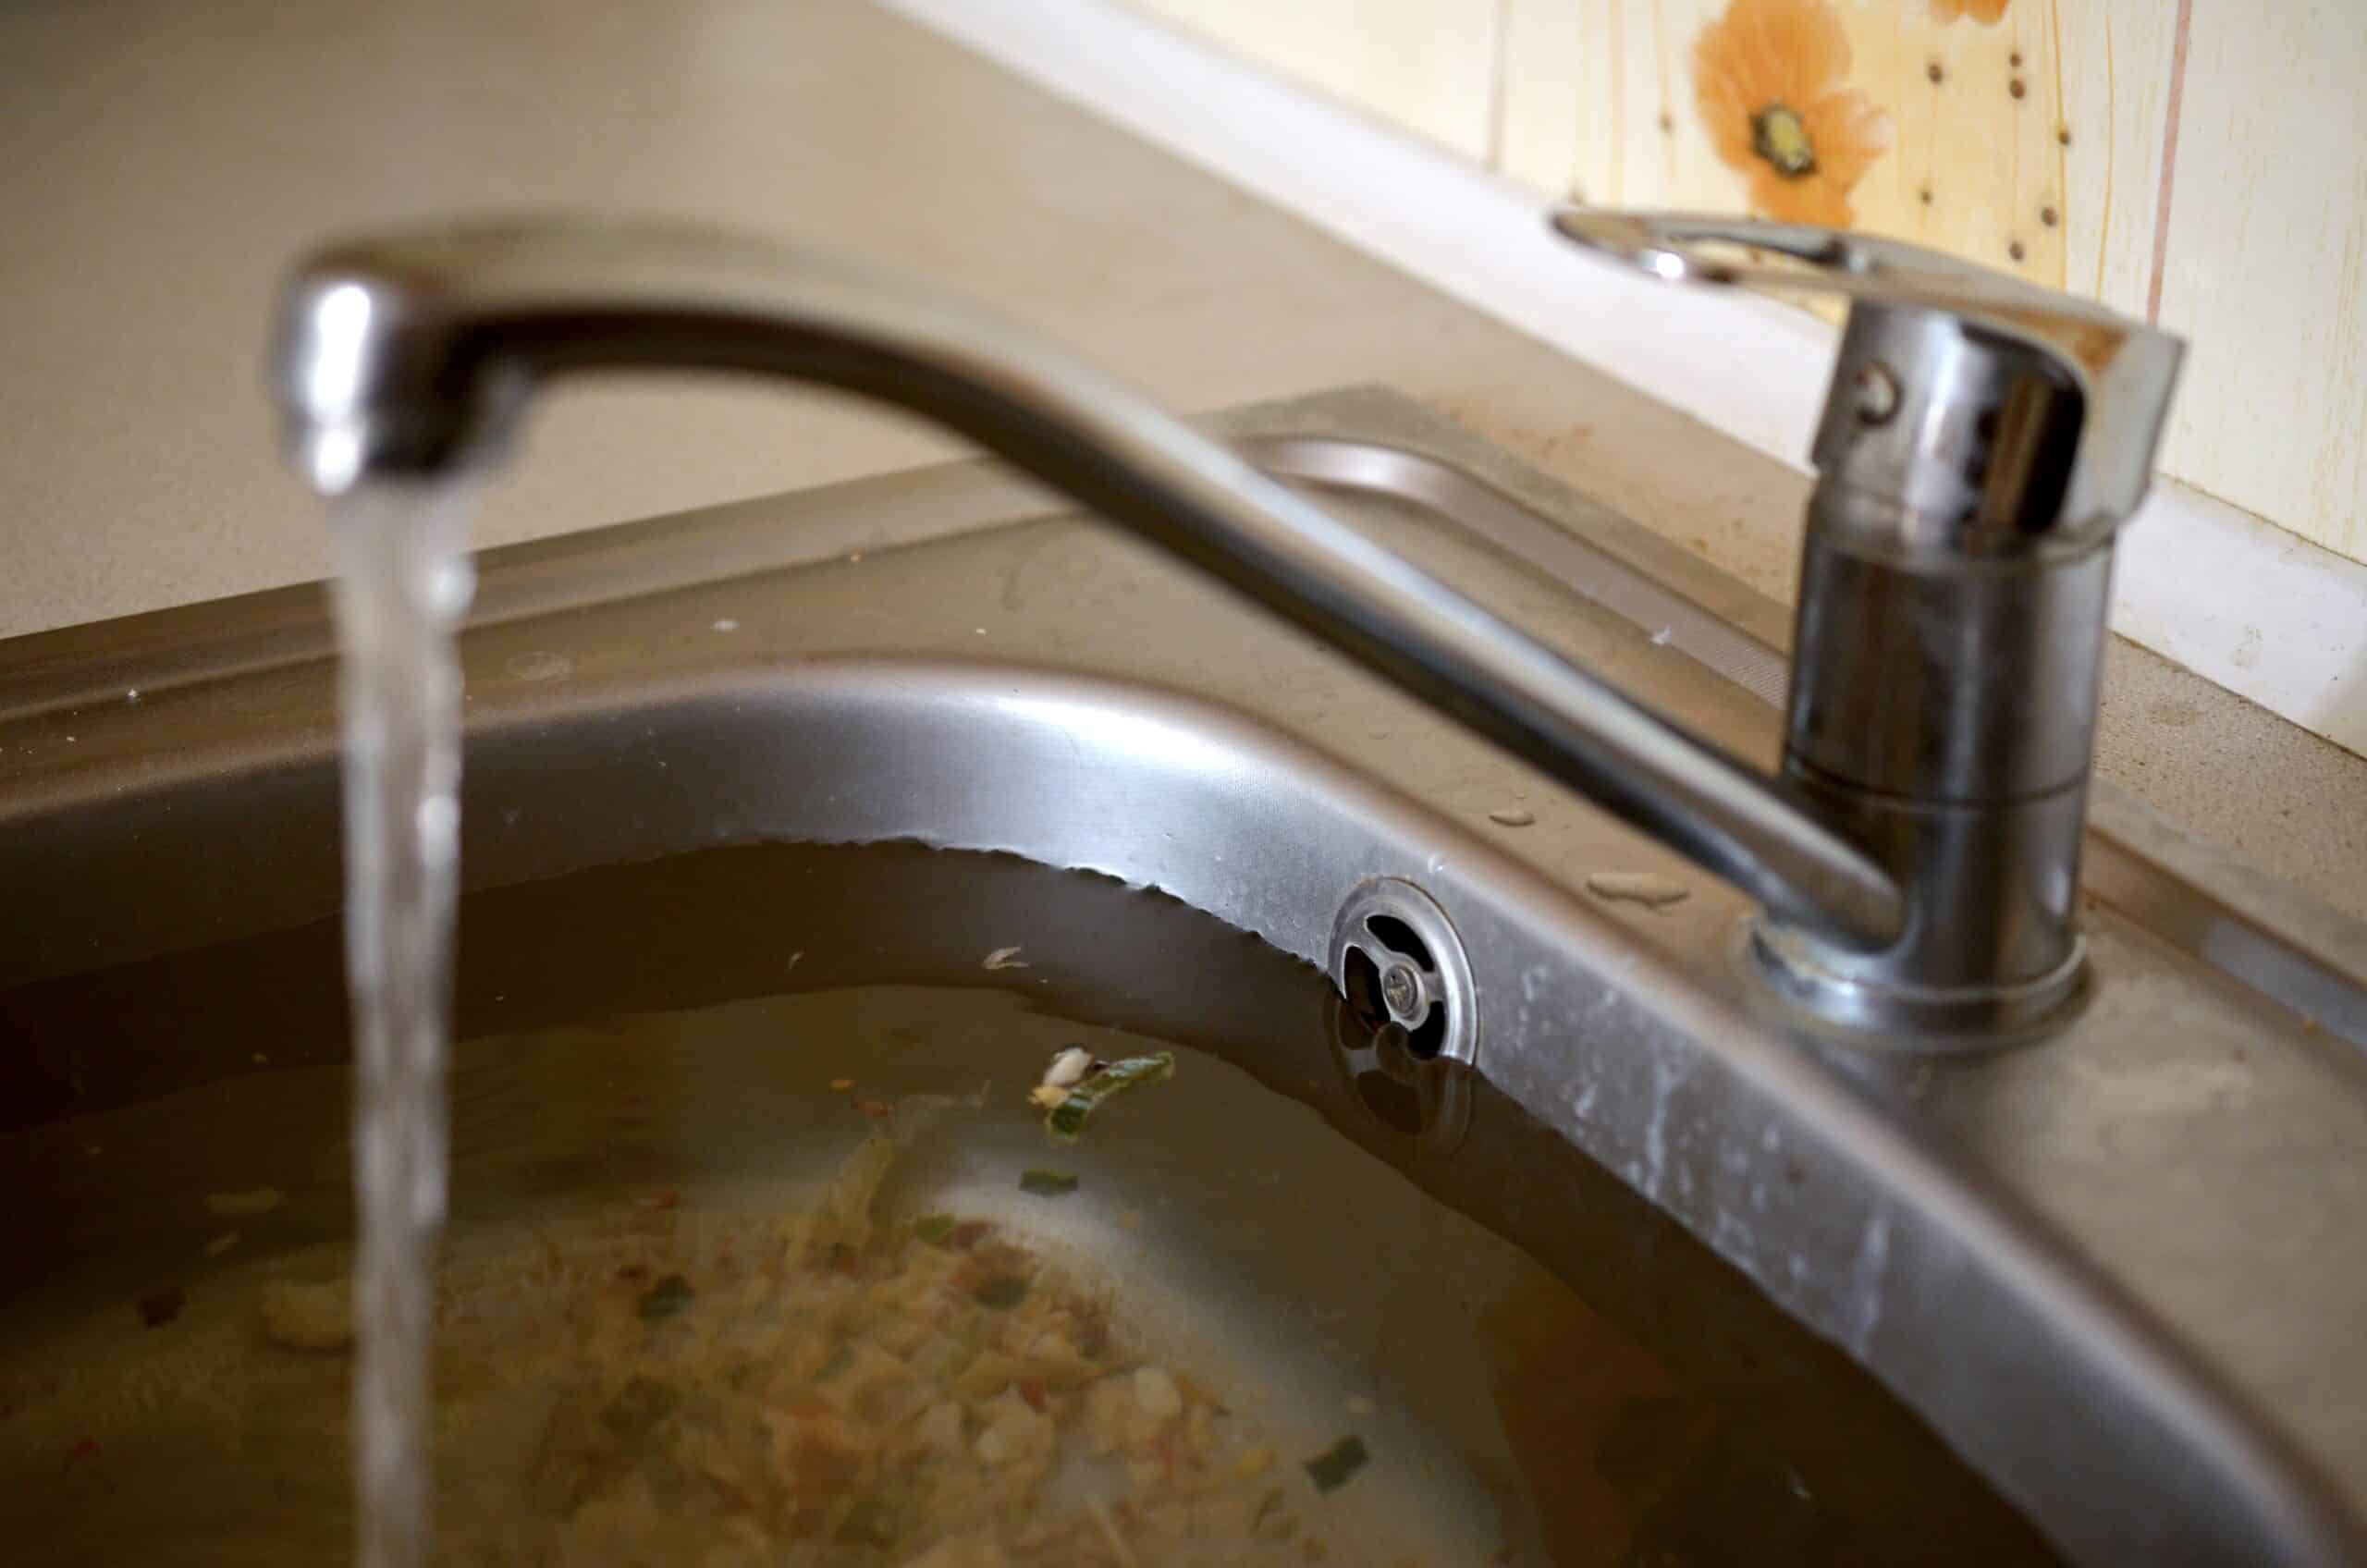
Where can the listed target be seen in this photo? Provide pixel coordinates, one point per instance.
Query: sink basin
(2113, 1272)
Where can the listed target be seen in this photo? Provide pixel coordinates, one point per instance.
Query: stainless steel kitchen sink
(2115, 1270)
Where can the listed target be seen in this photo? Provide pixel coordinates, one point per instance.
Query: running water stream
(403, 582)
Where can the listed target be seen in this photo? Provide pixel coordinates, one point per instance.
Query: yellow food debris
(838, 1383)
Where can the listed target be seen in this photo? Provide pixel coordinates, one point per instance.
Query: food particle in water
(1047, 1184)
(1004, 958)
(1253, 1463)
(933, 1228)
(1013, 1433)
(1067, 1120)
(1070, 1065)
(1359, 1405)
(660, 1200)
(940, 1427)
(843, 1084)
(666, 1298)
(234, 1206)
(1338, 1465)
(1155, 1394)
(222, 1243)
(1001, 1292)
(879, 1110)
(309, 1317)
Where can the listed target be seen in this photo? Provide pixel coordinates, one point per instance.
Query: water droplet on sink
(1647, 888)
(540, 666)
(1512, 816)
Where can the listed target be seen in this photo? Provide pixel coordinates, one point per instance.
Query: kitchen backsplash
(2204, 166)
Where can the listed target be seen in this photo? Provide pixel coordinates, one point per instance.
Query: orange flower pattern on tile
(1771, 81)
(1988, 13)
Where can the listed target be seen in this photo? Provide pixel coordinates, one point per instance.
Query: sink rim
(2296, 951)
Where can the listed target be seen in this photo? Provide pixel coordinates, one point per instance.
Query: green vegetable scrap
(1047, 1184)
(1336, 1465)
(666, 1298)
(933, 1228)
(1067, 1120)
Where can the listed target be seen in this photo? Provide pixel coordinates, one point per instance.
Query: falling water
(403, 583)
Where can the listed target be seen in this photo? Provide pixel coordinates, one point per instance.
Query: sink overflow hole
(1402, 972)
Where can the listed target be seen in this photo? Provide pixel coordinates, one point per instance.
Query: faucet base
(1822, 989)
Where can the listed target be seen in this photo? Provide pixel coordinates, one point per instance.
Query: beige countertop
(165, 161)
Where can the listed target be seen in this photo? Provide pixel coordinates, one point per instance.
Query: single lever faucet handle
(2013, 417)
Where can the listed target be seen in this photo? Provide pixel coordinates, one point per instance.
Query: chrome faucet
(1918, 857)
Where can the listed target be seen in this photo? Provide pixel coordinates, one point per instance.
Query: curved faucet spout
(414, 352)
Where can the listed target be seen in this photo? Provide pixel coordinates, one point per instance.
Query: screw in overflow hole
(1411, 1008)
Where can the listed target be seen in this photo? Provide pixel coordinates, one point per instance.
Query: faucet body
(1941, 716)
(1938, 911)
(1981, 441)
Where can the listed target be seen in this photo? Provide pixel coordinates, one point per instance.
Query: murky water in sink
(403, 583)
(1536, 1363)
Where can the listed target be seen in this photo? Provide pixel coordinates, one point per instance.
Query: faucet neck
(415, 353)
